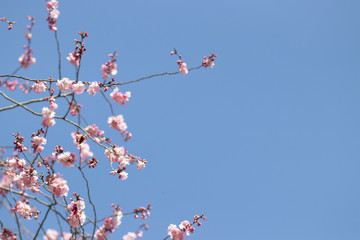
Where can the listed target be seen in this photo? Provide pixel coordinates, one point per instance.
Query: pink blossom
(109, 68)
(123, 175)
(182, 67)
(101, 234)
(38, 141)
(24, 210)
(85, 151)
(74, 59)
(93, 88)
(11, 86)
(39, 87)
(95, 133)
(53, 14)
(28, 35)
(7, 234)
(51, 234)
(209, 62)
(140, 165)
(64, 85)
(115, 153)
(57, 185)
(66, 236)
(78, 87)
(67, 159)
(120, 97)
(27, 59)
(5, 183)
(77, 216)
(27, 179)
(175, 233)
(48, 115)
(130, 236)
(186, 227)
(117, 123)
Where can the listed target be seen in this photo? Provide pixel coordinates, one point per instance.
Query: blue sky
(265, 144)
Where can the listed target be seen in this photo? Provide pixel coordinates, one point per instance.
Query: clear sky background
(265, 144)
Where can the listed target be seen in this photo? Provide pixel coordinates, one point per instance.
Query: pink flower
(85, 151)
(37, 143)
(209, 62)
(28, 35)
(57, 185)
(182, 67)
(95, 132)
(53, 14)
(120, 97)
(140, 165)
(74, 59)
(51, 234)
(117, 123)
(7, 234)
(101, 234)
(64, 85)
(5, 183)
(175, 233)
(39, 87)
(186, 227)
(130, 236)
(77, 216)
(48, 115)
(27, 59)
(93, 88)
(24, 210)
(78, 87)
(66, 159)
(11, 85)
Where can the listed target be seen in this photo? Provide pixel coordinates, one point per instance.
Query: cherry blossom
(182, 67)
(7, 234)
(39, 87)
(65, 84)
(93, 88)
(209, 62)
(24, 210)
(57, 185)
(130, 236)
(38, 141)
(27, 58)
(120, 97)
(175, 233)
(78, 87)
(109, 67)
(53, 14)
(48, 115)
(51, 234)
(67, 159)
(77, 216)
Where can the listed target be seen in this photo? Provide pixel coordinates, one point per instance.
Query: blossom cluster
(75, 57)
(27, 58)
(110, 224)
(109, 67)
(53, 13)
(76, 208)
(25, 210)
(185, 228)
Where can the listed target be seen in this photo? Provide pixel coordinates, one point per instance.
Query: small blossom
(7, 234)
(24, 210)
(120, 97)
(78, 87)
(38, 141)
(130, 236)
(175, 233)
(73, 59)
(57, 185)
(64, 85)
(182, 67)
(39, 87)
(93, 88)
(51, 234)
(67, 159)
